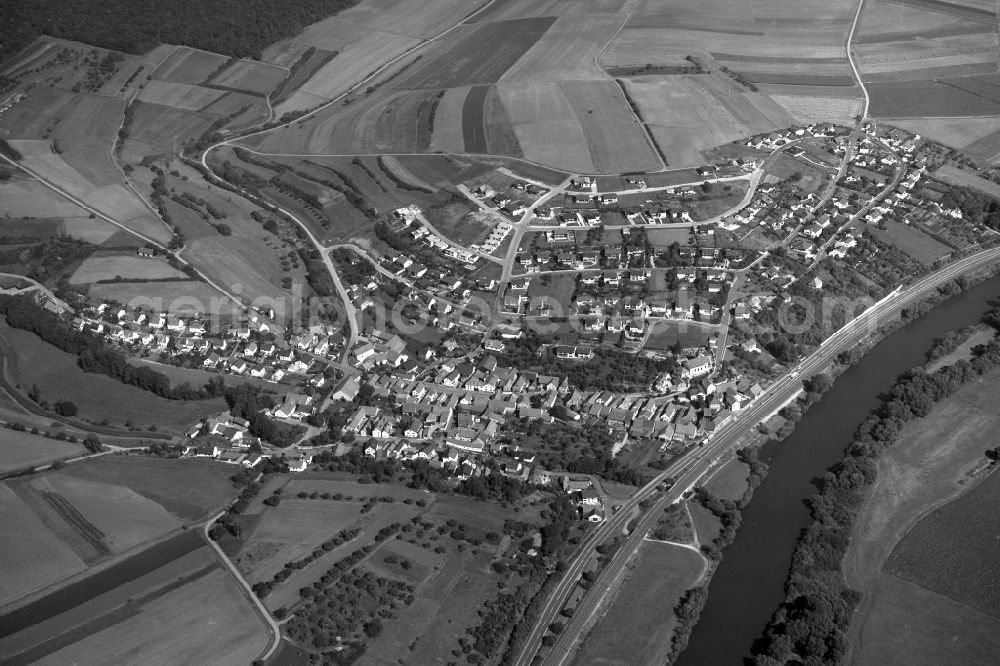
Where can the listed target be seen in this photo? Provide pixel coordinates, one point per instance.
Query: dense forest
(810, 625)
(240, 28)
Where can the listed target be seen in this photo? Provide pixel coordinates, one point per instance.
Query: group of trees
(809, 626)
(233, 27)
(977, 208)
(244, 400)
(92, 355)
(608, 370)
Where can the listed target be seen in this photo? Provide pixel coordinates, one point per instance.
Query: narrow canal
(749, 583)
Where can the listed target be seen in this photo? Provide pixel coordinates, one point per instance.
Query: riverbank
(810, 623)
(750, 582)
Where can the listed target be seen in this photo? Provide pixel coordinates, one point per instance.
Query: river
(749, 584)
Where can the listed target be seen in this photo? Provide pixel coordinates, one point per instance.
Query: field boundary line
(275, 639)
(850, 58)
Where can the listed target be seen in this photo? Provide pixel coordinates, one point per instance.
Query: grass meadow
(639, 624)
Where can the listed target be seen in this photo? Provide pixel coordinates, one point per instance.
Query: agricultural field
(181, 296)
(126, 266)
(687, 115)
(913, 99)
(955, 176)
(567, 52)
(977, 137)
(62, 522)
(449, 135)
(251, 76)
(364, 38)
(501, 11)
(24, 198)
(913, 242)
(187, 65)
(546, 125)
(66, 139)
(639, 624)
(19, 450)
(112, 199)
(714, 30)
(190, 489)
(97, 397)
(615, 140)
(932, 464)
(478, 54)
(945, 550)
(923, 41)
(219, 625)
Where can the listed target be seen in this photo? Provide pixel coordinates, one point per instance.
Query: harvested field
(930, 465)
(102, 601)
(479, 54)
(30, 198)
(158, 129)
(945, 551)
(986, 149)
(615, 140)
(96, 396)
(190, 489)
(115, 200)
(500, 136)
(186, 65)
(507, 9)
(689, 114)
(639, 625)
(954, 132)
(123, 517)
(448, 131)
(63, 115)
(127, 266)
(218, 623)
(910, 624)
(179, 95)
(173, 297)
(19, 450)
(913, 242)
(926, 98)
(473, 123)
(956, 176)
(250, 76)
(812, 108)
(391, 17)
(546, 125)
(567, 51)
(637, 47)
(33, 556)
(366, 51)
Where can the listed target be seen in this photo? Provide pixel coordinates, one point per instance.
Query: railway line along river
(748, 585)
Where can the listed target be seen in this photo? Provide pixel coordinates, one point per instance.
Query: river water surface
(749, 584)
